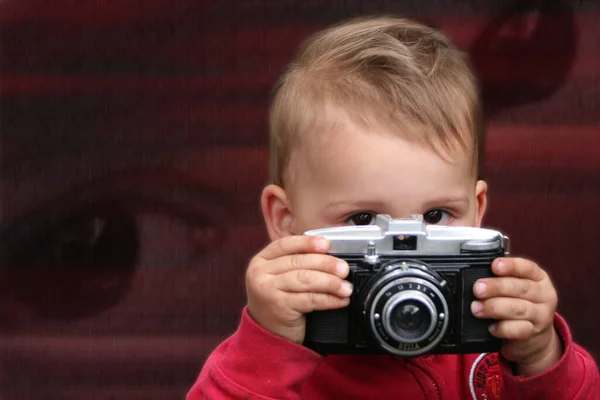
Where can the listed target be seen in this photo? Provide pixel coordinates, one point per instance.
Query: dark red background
(150, 117)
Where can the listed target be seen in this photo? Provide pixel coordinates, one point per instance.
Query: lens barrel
(405, 308)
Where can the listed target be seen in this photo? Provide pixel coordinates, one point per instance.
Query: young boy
(381, 116)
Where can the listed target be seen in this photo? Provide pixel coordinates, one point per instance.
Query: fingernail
(321, 244)
(346, 288)
(480, 288)
(476, 307)
(342, 268)
(492, 328)
(500, 267)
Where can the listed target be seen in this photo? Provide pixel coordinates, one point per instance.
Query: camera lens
(405, 308)
(409, 317)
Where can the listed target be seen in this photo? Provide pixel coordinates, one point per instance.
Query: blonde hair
(389, 71)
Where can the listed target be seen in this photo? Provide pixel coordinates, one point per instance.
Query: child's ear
(481, 197)
(277, 212)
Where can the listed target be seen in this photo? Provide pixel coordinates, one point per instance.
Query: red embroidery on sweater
(485, 379)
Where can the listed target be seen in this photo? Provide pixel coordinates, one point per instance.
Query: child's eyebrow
(355, 204)
(445, 201)
(454, 201)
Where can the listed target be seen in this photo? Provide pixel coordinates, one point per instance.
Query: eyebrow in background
(128, 191)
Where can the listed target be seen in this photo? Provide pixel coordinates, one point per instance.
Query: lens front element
(409, 317)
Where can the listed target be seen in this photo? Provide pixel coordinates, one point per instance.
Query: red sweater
(257, 364)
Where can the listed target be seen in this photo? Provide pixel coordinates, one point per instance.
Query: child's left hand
(523, 300)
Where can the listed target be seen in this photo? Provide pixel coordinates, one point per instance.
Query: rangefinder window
(405, 242)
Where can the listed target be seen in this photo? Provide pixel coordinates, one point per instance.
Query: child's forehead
(374, 170)
(356, 147)
(331, 127)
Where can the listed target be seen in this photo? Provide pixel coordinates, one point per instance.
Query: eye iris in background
(76, 268)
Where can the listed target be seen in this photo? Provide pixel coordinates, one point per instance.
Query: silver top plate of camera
(412, 237)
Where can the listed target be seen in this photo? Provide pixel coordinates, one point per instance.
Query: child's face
(352, 174)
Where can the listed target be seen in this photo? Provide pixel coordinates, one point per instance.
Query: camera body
(413, 288)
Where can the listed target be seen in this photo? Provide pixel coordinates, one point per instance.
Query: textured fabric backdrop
(133, 153)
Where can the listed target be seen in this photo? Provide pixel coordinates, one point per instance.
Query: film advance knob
(476, 245)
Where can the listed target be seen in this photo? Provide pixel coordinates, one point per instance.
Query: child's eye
(436, 216)
(361, 218)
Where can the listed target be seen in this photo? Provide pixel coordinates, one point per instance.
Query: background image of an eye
(76, 267)
(78, 255)
(85, 264)
(91, 242)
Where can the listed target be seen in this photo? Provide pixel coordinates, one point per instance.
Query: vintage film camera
(413, 288)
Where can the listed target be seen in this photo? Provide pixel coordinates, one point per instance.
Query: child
(381, 116)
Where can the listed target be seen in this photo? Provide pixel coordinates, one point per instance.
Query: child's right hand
(293, 276)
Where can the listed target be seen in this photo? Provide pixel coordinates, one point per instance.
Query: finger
(318, 262)
(294, 245)
(518, 268)
(507, 287)
(304, 280)
(504, 308)
(512, 330)
(309, 302)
